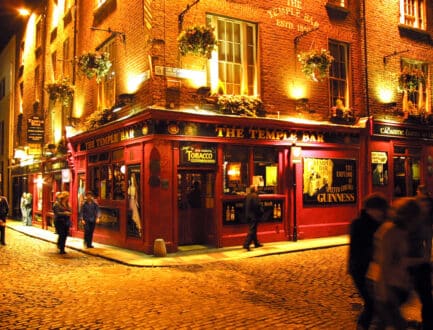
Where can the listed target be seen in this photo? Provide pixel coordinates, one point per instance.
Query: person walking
(62, 219)
(89, 216)
(253, 213)
(362, 229)
(4, 210)
(420, 245)
(388, 272)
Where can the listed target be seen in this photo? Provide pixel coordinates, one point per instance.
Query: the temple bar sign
(35, 130)
(197, 154)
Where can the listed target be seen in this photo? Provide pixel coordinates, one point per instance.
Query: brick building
(169, 112)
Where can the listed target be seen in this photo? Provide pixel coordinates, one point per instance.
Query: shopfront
(183, 177)
(401, 157)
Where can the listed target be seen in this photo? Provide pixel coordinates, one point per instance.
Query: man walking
(362, 229)
(253, 214)
(4, 210)
(89, 216)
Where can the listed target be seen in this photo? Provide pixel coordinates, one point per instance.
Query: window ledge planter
(197, 40)
(241, 105)
(316, 63)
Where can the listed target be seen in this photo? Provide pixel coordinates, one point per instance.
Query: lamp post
(295, 153)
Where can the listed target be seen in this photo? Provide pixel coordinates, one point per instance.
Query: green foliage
(94, 65)
(410, 80)
(60, 90)
(316, 63)
(197, 40)
(242, 105)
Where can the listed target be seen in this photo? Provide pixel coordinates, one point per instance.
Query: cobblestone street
(41, 289)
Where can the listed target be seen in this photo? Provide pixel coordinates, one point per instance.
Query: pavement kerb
(181, 258)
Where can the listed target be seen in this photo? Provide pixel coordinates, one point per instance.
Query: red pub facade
(308, 100)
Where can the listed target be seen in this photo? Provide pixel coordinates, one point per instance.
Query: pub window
(265, 175)
(54, 63)
(236, 173)
(338, 73)
(234, 66)
(107, 175)
(37, 85)
(38, 36)
(413, 13)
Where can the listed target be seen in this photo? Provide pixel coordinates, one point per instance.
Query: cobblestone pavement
(41, 289)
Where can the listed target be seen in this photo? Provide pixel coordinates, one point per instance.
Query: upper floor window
(413, 13)
(67, 59)
(107, 86)
(416, 100)
(339, 73)
(2, 88)
(39, 33)
(233, 67)
(100, 3)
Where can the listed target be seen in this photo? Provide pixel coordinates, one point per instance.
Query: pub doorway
(196, 204)
(407, 171)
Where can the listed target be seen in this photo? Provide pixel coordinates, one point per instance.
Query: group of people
(390, 255)
(88, 215)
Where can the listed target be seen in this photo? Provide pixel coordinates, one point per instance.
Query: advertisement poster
(379, 168)
(329, 181)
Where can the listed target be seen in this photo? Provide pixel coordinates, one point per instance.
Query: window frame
(248, 58)
(342, 58)
(418, 18)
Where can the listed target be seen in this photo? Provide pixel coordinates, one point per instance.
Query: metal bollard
(159, 249)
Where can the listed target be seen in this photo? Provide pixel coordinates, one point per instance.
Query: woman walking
(62, 219)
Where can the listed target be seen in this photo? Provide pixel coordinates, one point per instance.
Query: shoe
(90, 247)
(258, 245)
(247, 248)
(3, 243)
(62, 252)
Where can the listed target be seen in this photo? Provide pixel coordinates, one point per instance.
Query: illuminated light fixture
(24, 12)
(296, 154)
(39, 181)
(386, 95)
(20, 153)
(123, 169)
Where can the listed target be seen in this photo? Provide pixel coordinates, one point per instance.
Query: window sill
(414, 33)
(103, 11)
(335, 11)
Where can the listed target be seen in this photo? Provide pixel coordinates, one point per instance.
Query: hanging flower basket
(94, 65)
(99, 118)
(60, 91)
(197, 40)
(409, 80)
(241, 105)
(316, 63)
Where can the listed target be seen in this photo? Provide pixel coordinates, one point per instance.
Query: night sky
(10, 21)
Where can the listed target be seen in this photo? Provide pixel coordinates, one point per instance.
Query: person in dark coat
(362, 230)
(4, 210)
(89, 216)
(62, 219)
(420, 245)
(253, 214)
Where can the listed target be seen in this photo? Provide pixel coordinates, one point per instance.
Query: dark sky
(10, 21)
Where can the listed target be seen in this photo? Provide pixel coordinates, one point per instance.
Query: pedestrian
(362, 229)
(4, 210)
(253, 213)
(89, 216)
(388, 271)
(420, 245)
(62, 219)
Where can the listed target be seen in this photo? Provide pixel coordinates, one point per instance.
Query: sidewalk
(186, 255)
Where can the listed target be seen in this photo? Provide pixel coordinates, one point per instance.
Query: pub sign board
(329, 181)
(198, 154)
(35, 130)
